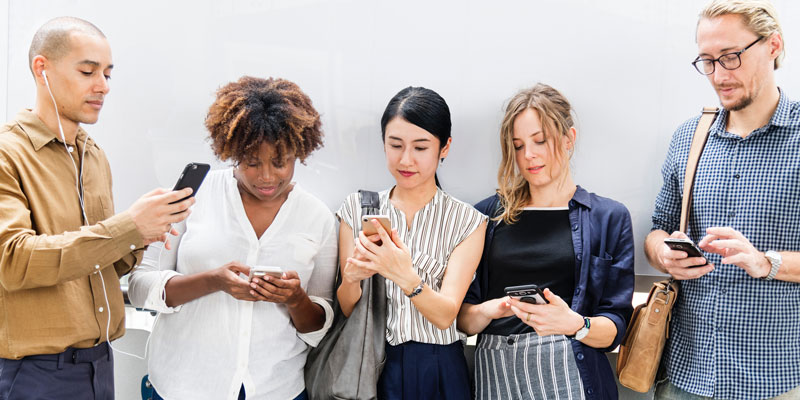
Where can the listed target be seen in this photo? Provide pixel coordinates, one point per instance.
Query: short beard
(741, 104)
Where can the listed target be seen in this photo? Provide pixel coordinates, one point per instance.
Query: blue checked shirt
(733, 336)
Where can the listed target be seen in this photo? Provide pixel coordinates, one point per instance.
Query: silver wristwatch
(775, 260)
(581, 333)
(417, 290)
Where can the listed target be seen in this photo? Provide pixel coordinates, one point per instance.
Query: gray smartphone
(687, 246)
(527, 293)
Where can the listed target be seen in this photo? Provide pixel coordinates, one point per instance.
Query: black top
(536, 249)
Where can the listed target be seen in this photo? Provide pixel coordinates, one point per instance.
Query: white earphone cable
(79, 188)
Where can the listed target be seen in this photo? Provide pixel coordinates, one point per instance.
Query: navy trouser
(424, 371)
(75, 374)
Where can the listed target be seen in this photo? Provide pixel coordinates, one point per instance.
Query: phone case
(369, 229)
(192, 176)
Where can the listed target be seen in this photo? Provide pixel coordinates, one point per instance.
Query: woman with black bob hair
(428, 258)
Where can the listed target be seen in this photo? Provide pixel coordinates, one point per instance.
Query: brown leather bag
(648, 331)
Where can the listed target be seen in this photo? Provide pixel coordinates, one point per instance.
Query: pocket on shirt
(304, 248)
(430, 269)
(97, 209)
(600, 271)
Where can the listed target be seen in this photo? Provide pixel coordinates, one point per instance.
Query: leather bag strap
(698, 143)
(370, 202)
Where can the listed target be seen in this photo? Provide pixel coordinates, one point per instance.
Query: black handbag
(348, 361)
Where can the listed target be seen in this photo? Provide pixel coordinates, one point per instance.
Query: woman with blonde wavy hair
(574, 245)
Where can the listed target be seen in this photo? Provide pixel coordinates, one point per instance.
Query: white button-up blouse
(209, 347)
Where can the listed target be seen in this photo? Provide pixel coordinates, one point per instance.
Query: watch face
(582, 333)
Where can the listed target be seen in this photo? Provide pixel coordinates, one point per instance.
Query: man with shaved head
(62, 250)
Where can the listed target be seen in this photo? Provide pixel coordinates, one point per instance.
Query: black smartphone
(192, 176)
(527, 293)
(685, 245)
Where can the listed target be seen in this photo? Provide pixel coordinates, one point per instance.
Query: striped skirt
(527, 367)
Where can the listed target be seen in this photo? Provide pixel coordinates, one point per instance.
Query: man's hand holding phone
(735, 249)
(154, 213)
(680, 259)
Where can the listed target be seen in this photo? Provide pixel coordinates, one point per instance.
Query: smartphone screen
(192, 176)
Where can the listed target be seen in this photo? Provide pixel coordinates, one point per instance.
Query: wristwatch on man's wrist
(581, 333)
(775, 260)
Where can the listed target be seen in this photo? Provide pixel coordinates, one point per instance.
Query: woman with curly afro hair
(220, 335)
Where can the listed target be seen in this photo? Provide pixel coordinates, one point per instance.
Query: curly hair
(252, 111)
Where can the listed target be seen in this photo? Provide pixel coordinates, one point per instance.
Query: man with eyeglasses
(735, 331)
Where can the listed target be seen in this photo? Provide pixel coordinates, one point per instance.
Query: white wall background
(623, 64)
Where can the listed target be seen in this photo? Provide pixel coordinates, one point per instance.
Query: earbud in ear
(44, 75)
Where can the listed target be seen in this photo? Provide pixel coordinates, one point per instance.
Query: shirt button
(575, 227)
(578, 257)
(579, 356)
(732, 214)
(133, 247)
(737, 176)
(100, 309)
(724, 291)
(590, 391)
(577, 291)
(510, 340)
(97, 266)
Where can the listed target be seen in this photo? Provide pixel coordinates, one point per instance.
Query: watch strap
(587, 323)
(417, 290)
(775, 262)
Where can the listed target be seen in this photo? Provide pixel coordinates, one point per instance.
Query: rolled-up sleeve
(321, 283)
(147, 282)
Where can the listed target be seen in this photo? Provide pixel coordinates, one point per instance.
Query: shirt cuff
(313, 338)
(123, 230)
(619, 322)
(157, 297)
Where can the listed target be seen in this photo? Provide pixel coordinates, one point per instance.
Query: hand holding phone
(527, 294)
(687, 246)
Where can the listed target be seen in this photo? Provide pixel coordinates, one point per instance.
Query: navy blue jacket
(602, 237)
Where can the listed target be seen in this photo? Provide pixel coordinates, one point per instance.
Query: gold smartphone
(369, 228)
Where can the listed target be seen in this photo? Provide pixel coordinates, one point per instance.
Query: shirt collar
(437, 197)
(40, 135)
(781, 116)
(581, 197)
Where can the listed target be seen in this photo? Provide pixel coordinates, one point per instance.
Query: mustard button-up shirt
(51, 292)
